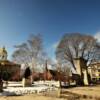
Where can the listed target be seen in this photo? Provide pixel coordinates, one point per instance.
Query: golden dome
(3, 54)
(3, 51)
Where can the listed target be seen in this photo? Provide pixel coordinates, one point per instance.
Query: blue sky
(51, 18)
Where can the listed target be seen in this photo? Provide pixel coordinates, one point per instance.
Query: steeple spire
(46, 66)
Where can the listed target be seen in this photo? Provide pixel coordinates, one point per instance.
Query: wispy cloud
(51, 51)
(55, 44)
(97, 36)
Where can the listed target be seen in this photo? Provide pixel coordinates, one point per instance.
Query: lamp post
(59, 79)
(46, 71)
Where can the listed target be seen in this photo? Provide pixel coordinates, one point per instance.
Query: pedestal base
(26, 82)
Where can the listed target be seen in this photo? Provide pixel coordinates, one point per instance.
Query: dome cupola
(3, 54)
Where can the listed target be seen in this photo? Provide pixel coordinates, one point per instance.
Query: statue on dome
(3, 54)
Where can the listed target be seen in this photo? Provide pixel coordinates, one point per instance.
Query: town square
(49, 49)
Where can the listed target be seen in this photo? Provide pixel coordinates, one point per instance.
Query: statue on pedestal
(27, 77)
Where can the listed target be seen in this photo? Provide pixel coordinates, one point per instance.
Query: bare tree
(74, 45)
(30, 52)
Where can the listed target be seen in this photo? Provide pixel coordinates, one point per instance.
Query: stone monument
(26, 81)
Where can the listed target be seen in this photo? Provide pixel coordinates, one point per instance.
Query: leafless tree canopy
(29, 51)
(75, 45)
